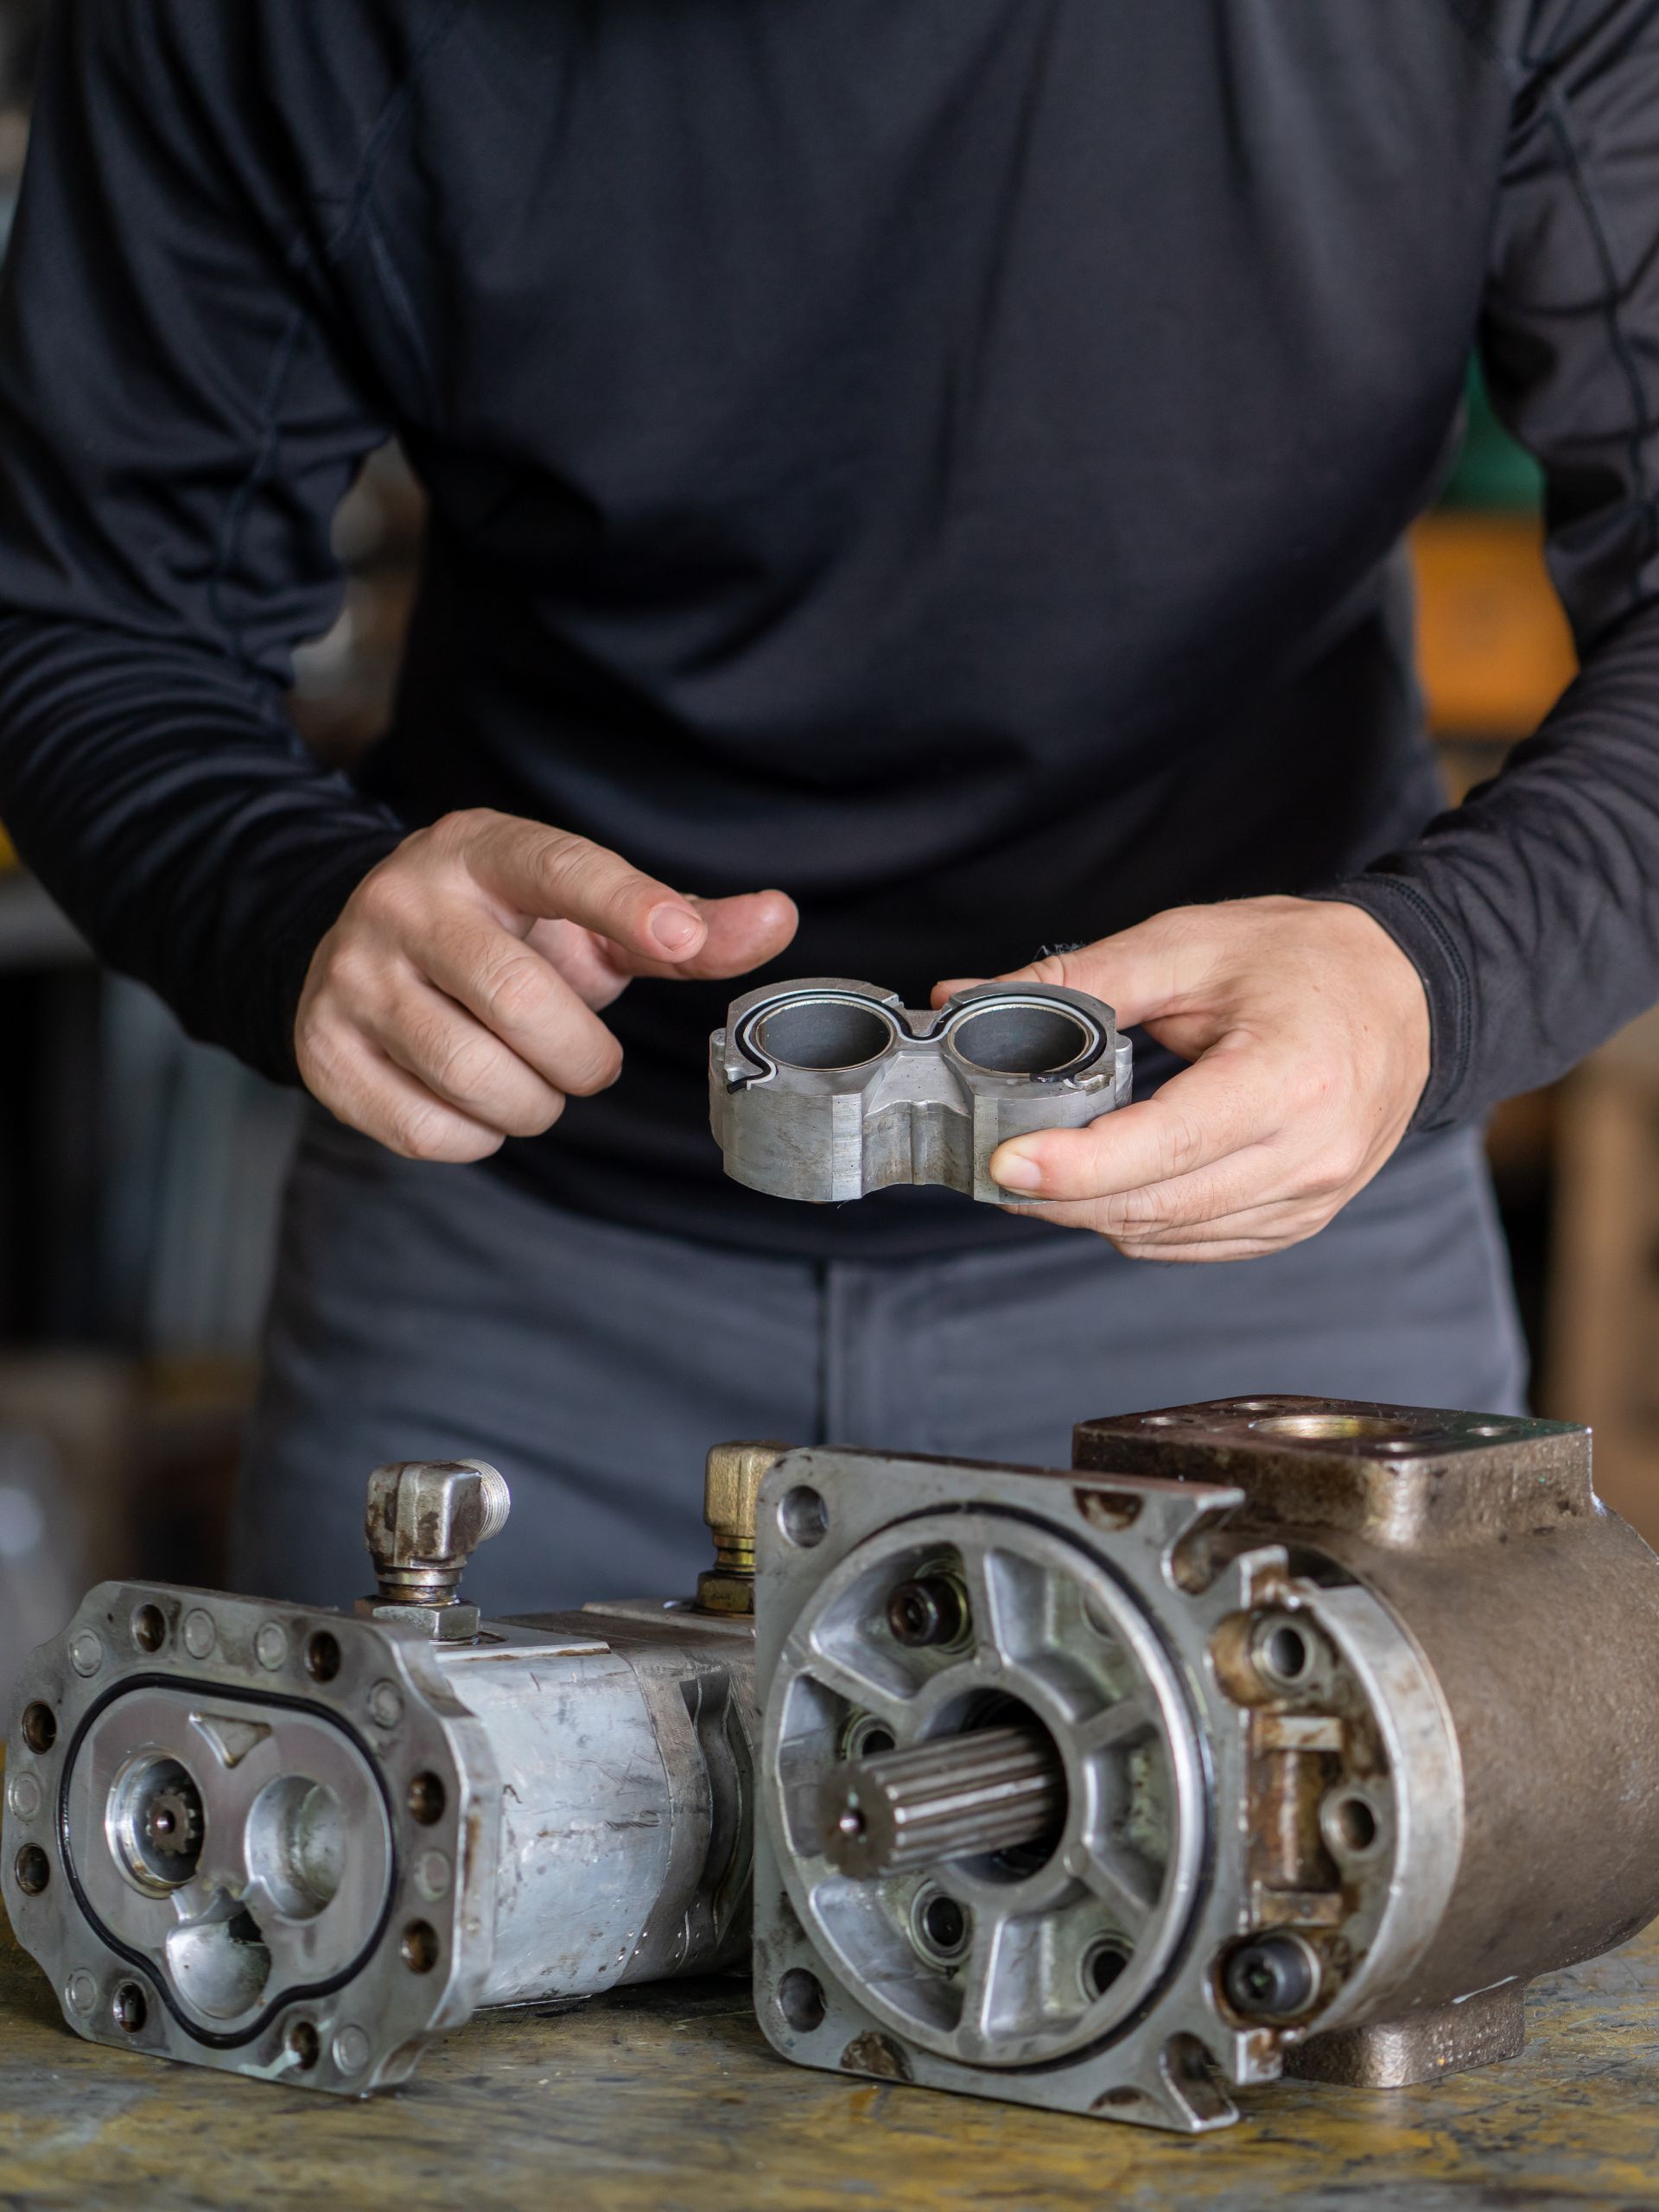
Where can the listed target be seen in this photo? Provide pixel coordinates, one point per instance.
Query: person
(944, 459)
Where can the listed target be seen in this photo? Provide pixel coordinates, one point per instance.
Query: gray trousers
(427, 1311)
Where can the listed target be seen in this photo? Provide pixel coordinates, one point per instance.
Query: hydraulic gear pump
(1277, 1736)
(298, 1844)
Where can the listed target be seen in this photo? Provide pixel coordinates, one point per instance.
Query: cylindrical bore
(1020, 1037)
(823, 1032)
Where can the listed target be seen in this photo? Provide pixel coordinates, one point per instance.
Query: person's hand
(1307, 1028)
(453, 1004)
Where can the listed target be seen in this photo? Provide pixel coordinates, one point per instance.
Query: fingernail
(1016, 1171)
(674, 927)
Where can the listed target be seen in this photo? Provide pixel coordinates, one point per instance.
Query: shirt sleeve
(1532, 911)
(177, 427)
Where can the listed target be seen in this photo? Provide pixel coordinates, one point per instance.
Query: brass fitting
(731, 1486)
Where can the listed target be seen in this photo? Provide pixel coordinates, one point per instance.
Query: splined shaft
(959, 1797)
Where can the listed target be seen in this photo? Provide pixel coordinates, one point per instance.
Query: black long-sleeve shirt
(945, 456)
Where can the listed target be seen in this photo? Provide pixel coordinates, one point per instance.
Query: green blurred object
(1492, 472)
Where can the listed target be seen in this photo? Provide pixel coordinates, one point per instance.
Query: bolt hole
(33, 1869)
(800, 2000)
(304, 2044)
(40, 1727)
(803, 1517)
(1332, 1428)
(130, 2007)
(876, 1741)
(1103, 1964)
(1283, 1653)
(149, 1628)
(323, 1656)
(1354, 1824)
(420, 1947)
(427, 1799)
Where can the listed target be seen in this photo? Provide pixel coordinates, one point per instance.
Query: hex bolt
(424, 1520)
(731, 1490)
(199, 1635)
(1270, 1978)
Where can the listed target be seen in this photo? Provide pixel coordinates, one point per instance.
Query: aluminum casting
(298, 1844)
(1279, 1736)
(824, 1090)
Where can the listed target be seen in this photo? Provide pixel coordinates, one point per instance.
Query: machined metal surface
(1343, 1701)
(298, 1845)
(826, 1089)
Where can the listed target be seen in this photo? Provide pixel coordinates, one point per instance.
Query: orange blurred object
(1493, 644)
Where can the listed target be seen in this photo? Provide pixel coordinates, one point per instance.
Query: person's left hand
(1307, 1029)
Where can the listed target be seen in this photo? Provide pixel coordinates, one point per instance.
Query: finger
(941, 991)
(743, 932)
(1141, 972)
(461, 1062)
(555, 876)
(1222, 1103)
(1191, 1255)
(1277, 1222)
(1238, 1238)
(361, 1086)
(522, 999)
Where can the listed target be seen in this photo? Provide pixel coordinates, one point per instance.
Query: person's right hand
(452, 1005)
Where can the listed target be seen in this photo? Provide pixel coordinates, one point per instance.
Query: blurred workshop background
(139, 1173)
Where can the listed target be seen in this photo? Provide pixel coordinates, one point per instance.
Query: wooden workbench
(667, 2101)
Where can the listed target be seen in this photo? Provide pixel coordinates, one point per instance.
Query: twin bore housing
(827, 1089)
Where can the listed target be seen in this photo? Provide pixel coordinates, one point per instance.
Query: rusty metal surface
(665, 2099)
(1537, 1608)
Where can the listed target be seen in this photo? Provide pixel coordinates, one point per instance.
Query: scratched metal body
(298, 1845)
(1279, 1736)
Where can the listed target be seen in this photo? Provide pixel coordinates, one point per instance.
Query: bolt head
(385, 1705)
(1270, 1978)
